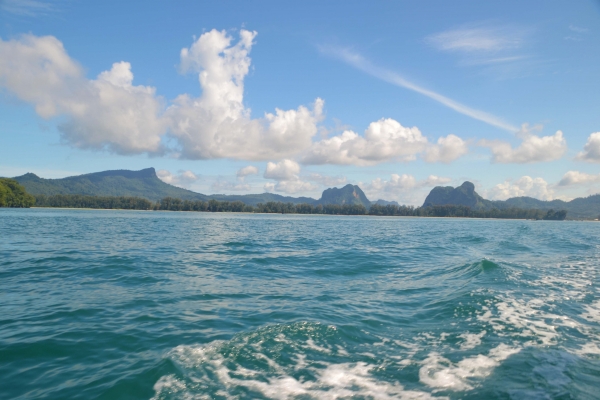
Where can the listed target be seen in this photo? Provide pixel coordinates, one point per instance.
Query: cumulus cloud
(328, 180)
(524, 186)
(182, 179)
(216, 124)
(446, 150)
(106, 113)
(284, 170)
(111, 113)
(433, 180)
(384, 140)
(572, 178)
(591, 150)
(532, 149)
(287, 175)
(242, 173)
(294, 186)
(404, 188)
(226, 186)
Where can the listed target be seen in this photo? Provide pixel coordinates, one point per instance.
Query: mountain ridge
(465, 195)
(146, 184)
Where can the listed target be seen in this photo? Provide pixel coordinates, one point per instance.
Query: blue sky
(397, 97)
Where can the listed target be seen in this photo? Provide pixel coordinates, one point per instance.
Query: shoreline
(329, 215)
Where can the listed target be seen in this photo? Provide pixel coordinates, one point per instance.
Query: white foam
(592, 312)
(205, 366)
(525, 319)
(588, 349)
(311, 345)
(471, 340)
(440, 373)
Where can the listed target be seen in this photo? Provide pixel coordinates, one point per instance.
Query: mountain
(143, 183)
(385, 203)
(349, 194)
(254, 199)
(465, 194)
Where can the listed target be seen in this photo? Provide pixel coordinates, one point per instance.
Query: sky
(243, 97)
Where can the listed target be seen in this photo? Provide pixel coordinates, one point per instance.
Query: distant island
(125, 189)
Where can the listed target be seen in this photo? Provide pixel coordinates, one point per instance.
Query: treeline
(12, 194)
(467, 212)
(173, 204)
(101, 202)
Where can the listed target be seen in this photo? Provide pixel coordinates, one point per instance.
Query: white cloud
(591, 150)
(287, 175)
(221, 185)
(182, 179)
(28, 8)
(446, 150)
(433, 180)
(402, 188)
(217, 125)
(111, 113)
(572, 178)
(105, 113)
(282, 171)
(532, 149)
(578, 29)
(476, 39)
(328, 181)
(384, 140)
(359, 62)
(294, 186)
(246, 171)
(525, 186)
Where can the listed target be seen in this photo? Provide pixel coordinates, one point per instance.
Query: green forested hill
(143, 183)
(14, 195)
(465, 195)
(254, 199)
(349, 194)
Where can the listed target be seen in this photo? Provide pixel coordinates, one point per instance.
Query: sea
(103, 304)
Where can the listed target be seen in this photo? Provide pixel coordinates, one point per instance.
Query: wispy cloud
(578, 29)
(578, 34)
(358, 61)
(28, 8)
(500, 49)
(477, 39)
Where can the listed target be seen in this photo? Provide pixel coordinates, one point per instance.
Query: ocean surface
(165, 305)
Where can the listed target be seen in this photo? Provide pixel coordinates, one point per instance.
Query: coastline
(307, 214)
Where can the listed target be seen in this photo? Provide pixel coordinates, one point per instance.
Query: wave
(302, 360)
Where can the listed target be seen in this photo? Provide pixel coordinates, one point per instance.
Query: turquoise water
(159, 305)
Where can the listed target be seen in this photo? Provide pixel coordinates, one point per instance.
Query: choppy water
(116, 304)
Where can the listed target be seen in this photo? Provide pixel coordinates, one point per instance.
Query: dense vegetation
(14, 195)
(173, 204)
(143, 183)
(125, 183)
(465, 195)
(101, 202)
